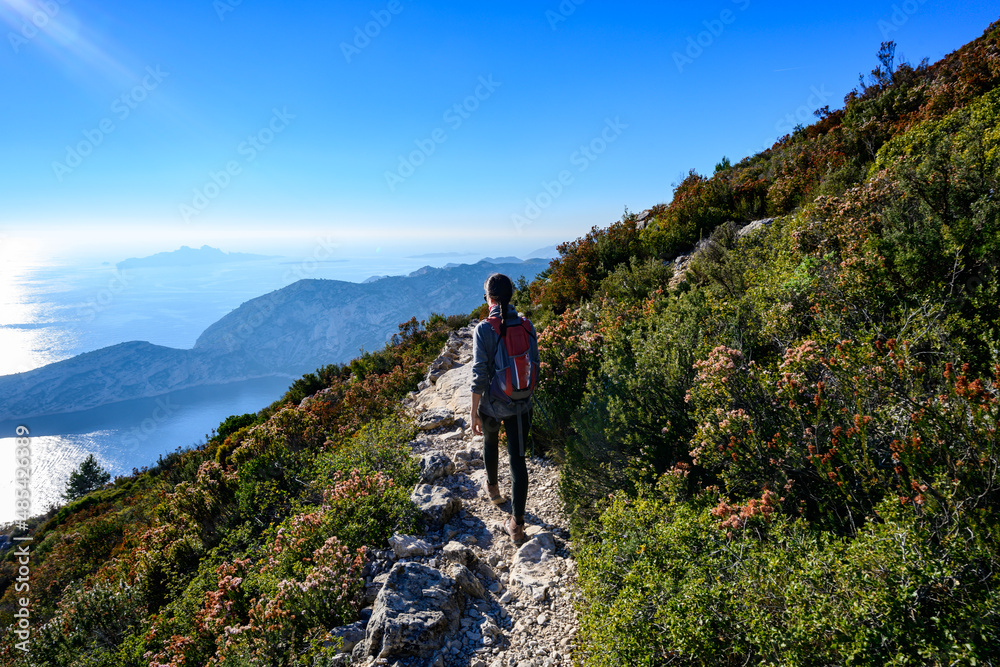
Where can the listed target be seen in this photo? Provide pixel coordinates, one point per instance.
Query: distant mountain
(548, 252)
(440, 255)
(287, 332)
(185, 256)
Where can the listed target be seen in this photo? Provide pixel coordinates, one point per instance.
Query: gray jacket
(484, 349)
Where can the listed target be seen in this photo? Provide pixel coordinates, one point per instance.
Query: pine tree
(89, 476)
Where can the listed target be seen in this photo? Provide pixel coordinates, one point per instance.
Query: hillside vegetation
(245, 550)
(785, 456)
(788, 455)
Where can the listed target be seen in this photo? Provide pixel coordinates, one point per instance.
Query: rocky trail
(463, 594)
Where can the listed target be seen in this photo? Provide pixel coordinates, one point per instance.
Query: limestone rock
(545, 538)
(408, 546)
(457, 552)
(489, 628)
(535, 566)
(350, 635)
(451, 393)
(485, 571)
(434, 466)
(453, 435)
(320, 396)
(428, 420)
(373, 588)
(437, 504)
(754, 226)
(643, 219)
(466, 580)
(440, 366)
(418, 608)
(470, 454)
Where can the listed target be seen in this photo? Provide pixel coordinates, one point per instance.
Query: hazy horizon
(142, 127)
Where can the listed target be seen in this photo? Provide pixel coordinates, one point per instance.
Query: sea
(50, 312)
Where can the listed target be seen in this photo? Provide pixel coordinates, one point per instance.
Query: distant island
(439, 255)
(548, 252)
(186, 256)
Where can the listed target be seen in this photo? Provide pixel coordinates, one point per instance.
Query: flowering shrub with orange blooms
(756, 511)
(569, 347)
(839, 429)
(285, 607)
(582, 264)
(368, 509)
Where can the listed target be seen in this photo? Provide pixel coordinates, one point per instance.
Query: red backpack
(515, 374)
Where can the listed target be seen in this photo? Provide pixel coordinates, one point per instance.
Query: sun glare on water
(23, 344)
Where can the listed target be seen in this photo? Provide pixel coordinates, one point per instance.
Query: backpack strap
(530, 329)
(495, 323)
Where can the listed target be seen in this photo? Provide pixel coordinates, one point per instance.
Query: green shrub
(692, 584)
(379, 447)
(943, 221)
(631, 422)
(94, 625)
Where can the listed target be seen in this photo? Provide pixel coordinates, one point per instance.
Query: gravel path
(527, 610)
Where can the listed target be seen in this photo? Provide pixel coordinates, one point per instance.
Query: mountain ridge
(284, 333)
(187, 256)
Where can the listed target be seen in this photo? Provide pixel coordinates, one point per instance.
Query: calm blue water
(51, 313)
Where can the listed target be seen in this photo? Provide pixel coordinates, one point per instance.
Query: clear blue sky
(184, 85)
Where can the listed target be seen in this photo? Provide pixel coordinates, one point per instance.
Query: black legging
(518, 467)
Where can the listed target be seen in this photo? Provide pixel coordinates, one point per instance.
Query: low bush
(706, 583)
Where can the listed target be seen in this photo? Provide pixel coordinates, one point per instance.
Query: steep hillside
(781, 443)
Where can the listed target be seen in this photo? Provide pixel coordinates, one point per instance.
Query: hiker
(504, 397)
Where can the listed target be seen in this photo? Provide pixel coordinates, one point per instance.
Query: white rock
(457, 552)
(435, 465)
(436, 503)
(408, 546)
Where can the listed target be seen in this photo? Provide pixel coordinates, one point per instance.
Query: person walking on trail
(504, 373)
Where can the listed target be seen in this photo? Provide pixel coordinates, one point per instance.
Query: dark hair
(501, 289)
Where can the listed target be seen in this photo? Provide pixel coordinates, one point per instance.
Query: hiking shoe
(493, 493)
(515, 530)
